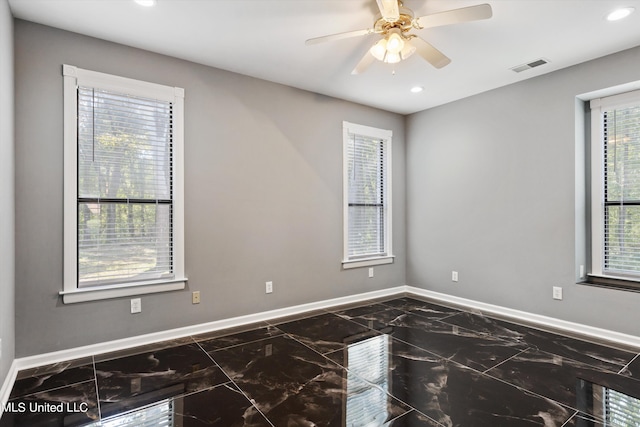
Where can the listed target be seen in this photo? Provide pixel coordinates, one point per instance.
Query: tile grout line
(95, 379)
(239, 344)
(60, 387)
(627, 365)
(506, 360)
(446, 317)
(251, 401)
(324, 355)
(417, 412)
(570, 418)
(531, 392)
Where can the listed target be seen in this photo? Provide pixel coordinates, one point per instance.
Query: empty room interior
(320, 213)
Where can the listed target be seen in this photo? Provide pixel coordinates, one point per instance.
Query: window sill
(96, 293)
(367, 262)
(613, 282)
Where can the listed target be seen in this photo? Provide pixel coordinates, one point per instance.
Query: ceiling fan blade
(455, 16)
(389, 10)
(432, 55)
(364, 63)
(340, 36)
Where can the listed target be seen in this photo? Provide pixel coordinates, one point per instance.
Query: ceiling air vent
(530, 65)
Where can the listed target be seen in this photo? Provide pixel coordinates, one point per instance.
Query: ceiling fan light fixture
(407, 51)
(394, 26)
(379, 50)
(392, 58)
(395, 44)
(393, 48)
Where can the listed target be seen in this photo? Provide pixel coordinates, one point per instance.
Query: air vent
(530, 65)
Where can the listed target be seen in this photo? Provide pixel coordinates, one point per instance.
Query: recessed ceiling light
(146, 3)
(621, 13)
(417, 89)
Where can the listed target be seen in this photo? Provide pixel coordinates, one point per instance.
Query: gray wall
(495, 191)
(7, 248)
(263, 195)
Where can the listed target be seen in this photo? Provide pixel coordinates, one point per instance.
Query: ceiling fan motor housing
(404, 23)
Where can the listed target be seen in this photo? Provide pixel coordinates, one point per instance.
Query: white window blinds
(367, 193)
(621, 137)
(125, 194)
(123, 186)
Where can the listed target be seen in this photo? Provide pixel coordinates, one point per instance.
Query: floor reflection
(368, 360)
(613, 407)
(160, 414)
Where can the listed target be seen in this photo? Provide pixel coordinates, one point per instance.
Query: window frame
(73, 78)
(598, 274)
(386, 136)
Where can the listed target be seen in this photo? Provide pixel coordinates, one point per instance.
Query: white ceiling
(265, 39)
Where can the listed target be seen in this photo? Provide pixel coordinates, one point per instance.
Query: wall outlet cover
(557, 292)
(136, 305)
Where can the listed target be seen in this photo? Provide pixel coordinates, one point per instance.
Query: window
(367, 196)
(123, 186)
(615, 186)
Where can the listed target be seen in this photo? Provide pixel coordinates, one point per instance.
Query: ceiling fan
(394, 25)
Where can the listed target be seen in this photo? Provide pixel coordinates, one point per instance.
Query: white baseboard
(531, 318)
(517, 315)
(121, 344)
(7, 385)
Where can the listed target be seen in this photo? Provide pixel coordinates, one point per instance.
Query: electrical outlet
(454, 276)
(195, 297)
(136, 305)
(370, 272)
(269, 287)
(557, 292)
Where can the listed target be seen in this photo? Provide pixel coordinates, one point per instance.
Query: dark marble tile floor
(402, 362)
